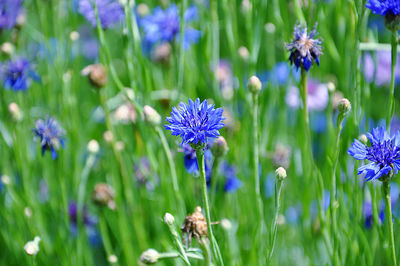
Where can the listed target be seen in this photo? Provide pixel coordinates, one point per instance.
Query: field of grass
(90, 170)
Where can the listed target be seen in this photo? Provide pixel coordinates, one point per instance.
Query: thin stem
(214, 244)
(178, 244)
(172, 167)
(274, 228)
(388, 202)
(392, 79)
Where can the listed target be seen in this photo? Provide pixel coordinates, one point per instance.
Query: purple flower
(304, 49)
(9, 10)
(164, 26)
(110, 12)
(17, 74)
(50, 134)
(89, 221)
(143, 173)
(195, 122)
(381, 72)
(383, 154)
(317, 96)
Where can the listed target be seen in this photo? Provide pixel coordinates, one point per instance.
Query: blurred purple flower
(381, 71)
(143, 173)
(9, 10)
(232, 182)
(110, 12)
(89, 222)
(17, 74)
(190, 160)
(317, 97)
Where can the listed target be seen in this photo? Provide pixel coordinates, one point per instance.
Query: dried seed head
(103, 195)
(194, 225)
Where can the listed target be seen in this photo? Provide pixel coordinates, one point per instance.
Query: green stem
(392, 80)
(178, 243)
(274, 228)
(172, 167)
(214, 244)
(215, 179)
(386, 193)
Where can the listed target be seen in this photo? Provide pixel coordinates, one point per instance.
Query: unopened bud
(151, 116)
(331, 87)
(270, 27)
(169, 218)
(28, 212)
(344, 106)
(108, 136)
(219, 147)
(150, 256)
(143, 10)
(120, 145)
(5, 179)
(97, 75)
(226, 224)
(21, 19)
(32, 247)
(103, 195)
(112, 259)
(243, 53)
(15, 112)
(7, 48)
(280, 173)
(93, 146)
(74, 36)
(363, 138)
(254, 85)
(161, 53)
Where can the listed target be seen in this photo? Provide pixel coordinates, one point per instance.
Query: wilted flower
(304, 49)
(195, 122)
(50, 134)
(17, 74)
(97, 75)
(281, 156)
(9, 11)
(164, 26)
(383, 154)
(103, 195)
(194, 225)
(109, 11)
(317, 96)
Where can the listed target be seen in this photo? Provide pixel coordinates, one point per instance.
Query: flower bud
(161, 53)
(226, 224)
(244, 53)
(280, 173)
(93, 146)
(143, 10)
(15, 112)
(219, 147)
(103, 195)
(97, 75)
(169, 218)
(21, 19)
(108, 136)
(254, 85)
(112, 259)
(363, 138)
(344, 106)
(7, 48)
(5, 179)
(149, 256)
(32, 247)
(151, 116)
(74, 36)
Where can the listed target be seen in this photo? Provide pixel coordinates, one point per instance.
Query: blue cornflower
(89, 222)
(17, 74)
(384, 7)
(195, 122)
(164, 26)
(50, 134)
(109, 11)
(383, 154)
(304, 49)
(9, 10)
(232, 182)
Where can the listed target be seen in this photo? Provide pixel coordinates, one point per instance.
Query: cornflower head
(304, 49)
(164, 26)
(110, 12)
(17, 74)
(195, 122)
(383, 153)
(390, 9)
(9, 11)
(50, 134)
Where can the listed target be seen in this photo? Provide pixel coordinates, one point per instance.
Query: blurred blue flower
(383, 154)
(381, 71)
(304, 50)
(164, 26)
(190, 160)
(368, 213)
(17, 74)
(50, 134)
(317, 96)
(384, 7)
(110, 12)
(9, 10)
(232, 182)
(195, 122)
(293, 214)
(89, 221)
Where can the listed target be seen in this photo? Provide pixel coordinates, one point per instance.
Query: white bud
(254, 85)
(74, 36)
(120, 145)
(149, 256)
(28, 212)
(7, 48)
(112, 259)
(363, 138)
(15, 112)
(226, 224)
(32, 247)
(169, 218)
(269, 27)
(93, 146)
(108, 136)
(243, 53)
(344, 106)
(331, 86)
(151, 116)
(280, 173)
(5, 179)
